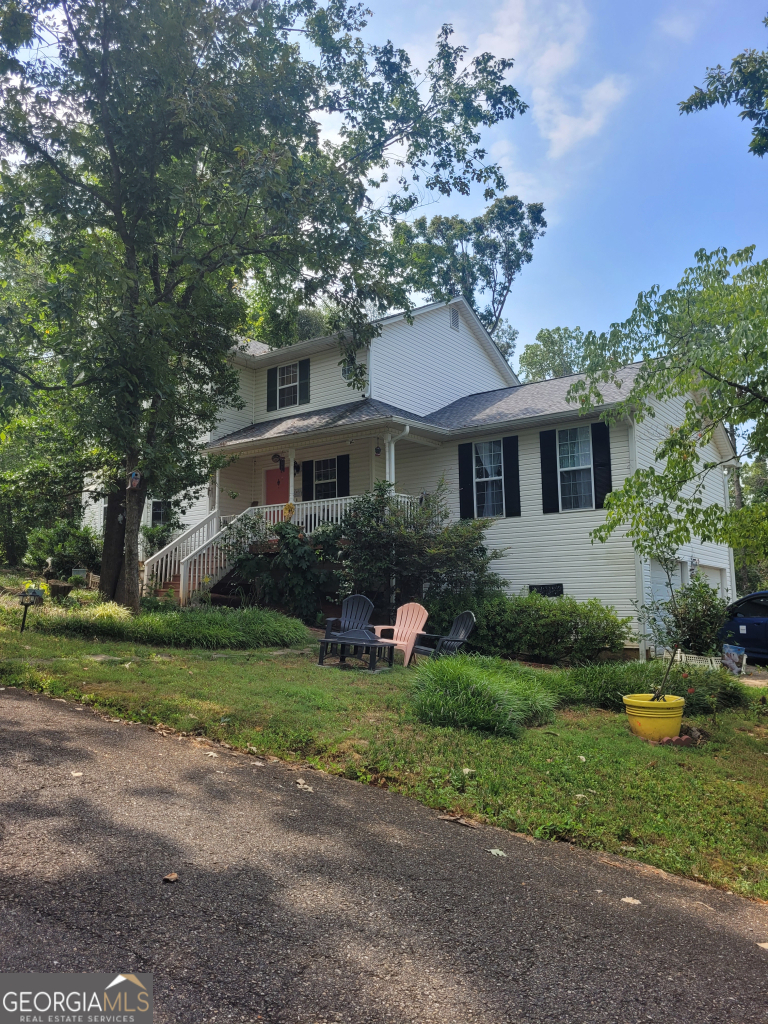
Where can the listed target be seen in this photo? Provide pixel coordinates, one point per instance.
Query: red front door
(277, 487)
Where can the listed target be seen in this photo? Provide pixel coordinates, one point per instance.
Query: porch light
(377, 450)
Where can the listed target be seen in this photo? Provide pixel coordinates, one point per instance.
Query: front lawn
(696, 812)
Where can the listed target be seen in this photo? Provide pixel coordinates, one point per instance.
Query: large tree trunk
(114, 542)
(134, 509)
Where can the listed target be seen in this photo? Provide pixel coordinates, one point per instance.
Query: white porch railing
(217, 551)
(166, 563)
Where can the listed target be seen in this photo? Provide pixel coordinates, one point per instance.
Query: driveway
(340, 904)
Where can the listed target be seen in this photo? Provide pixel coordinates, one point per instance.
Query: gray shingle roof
(528, 401)
(506, 405)
(349, 414)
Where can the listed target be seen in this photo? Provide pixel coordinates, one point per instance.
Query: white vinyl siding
(717, 557)
(232, 419)
(540, 549)
(246, 476)
(327, 387)
(425, 365)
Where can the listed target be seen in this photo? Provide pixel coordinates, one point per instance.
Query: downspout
(391, 453)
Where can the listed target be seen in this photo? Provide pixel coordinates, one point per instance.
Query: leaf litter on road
(460, 820)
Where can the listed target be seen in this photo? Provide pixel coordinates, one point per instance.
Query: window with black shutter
(288, 385)
(489, 479)
(575, 467)
(601, 462)
(550, 498)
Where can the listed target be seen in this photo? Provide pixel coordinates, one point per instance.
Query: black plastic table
(354, 638)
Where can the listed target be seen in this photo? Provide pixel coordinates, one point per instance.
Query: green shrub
(542, 628)
(472, 692)
(690, 618)
(293, 578)
(67, 545)
(211, 628)
(603, 685)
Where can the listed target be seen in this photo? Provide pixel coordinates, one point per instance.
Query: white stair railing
(216, 554)
(161, 567)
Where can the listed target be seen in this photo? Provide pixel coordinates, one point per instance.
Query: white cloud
(681, 26)
(549, 41)
(565, 130)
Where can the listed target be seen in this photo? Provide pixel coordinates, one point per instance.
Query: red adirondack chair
(408, 624)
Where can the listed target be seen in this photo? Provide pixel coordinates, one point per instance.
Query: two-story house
(441, 402)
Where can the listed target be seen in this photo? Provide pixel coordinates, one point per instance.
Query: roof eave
(341, 430)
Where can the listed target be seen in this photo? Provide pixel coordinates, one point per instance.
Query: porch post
(388, 458)
(291, 456)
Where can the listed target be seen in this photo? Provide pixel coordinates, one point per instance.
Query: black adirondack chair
(436, 646)
(355, 614)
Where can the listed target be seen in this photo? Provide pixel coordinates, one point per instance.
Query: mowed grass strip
(701, 812)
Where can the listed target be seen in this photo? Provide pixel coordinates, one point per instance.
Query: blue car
(747, 624)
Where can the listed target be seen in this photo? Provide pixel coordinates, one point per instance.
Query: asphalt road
(345, 904)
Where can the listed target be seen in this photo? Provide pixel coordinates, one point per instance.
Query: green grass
(212, 628)
(474, 692)
(696, 812)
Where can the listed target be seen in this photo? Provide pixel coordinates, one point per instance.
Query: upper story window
(574, 450)
(489, 479)
(325, 478)
(288, 385)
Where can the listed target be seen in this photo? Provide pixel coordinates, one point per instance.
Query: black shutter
(601, 461)
(511, 476)
(550, 499)
(466, 482)
(303, 381)
(272, 389)
(342, 476)
(308, 480)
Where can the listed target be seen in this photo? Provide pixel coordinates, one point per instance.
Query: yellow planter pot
(653, 720)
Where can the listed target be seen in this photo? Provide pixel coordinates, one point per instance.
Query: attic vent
(455, 319)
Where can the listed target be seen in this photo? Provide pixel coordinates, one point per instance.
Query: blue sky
(632, 188)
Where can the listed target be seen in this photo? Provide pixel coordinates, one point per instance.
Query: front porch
(320, 476)
(203, 554)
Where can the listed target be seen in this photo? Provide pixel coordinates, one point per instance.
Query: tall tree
(158, 152)
(704, 343)
(744, 84)
(44, 463)
(478, 258)
(557, 352)
(749, 487)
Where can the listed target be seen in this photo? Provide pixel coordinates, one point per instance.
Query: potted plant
(655, 715)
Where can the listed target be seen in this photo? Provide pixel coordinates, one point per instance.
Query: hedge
(550, 629)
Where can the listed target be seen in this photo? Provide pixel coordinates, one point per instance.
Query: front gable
(444, 354)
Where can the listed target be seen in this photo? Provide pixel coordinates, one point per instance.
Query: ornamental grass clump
(603, 685)
(474, 692)
(233, 628)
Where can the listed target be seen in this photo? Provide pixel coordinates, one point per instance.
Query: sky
(631, 187)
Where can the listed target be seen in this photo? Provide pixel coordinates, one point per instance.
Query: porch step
(173, 584)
